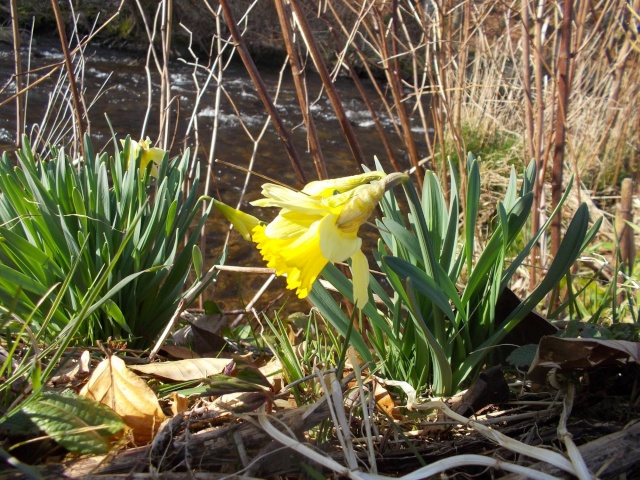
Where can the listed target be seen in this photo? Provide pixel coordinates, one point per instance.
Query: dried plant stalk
(332, 92)
(18, 71)
(262, 91)
(284, 15)
(78, 109)
(564, 88)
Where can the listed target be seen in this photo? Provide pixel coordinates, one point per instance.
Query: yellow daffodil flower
(316, 226)
(147, 154)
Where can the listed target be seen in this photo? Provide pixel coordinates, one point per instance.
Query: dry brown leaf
(385, 402)
(274, 372)
(178, 352)
(565, 355)
(184, 370)
(179, 403)
(117, 387)
(73, 372)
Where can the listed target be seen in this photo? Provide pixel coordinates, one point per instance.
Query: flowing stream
(115, 86)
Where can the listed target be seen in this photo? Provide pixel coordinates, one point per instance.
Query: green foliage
(602, 303)
(427, 332)
(79, 424)
(495, 147)
(25, 374)
(300, 360)
(62, 225)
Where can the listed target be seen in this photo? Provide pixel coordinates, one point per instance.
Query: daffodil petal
(357, 211)
(271, 248)
(360, 274)
(300, 259)
(279, 196)
(155, 155)
(335, 244)
(327, 188)
(290, 224)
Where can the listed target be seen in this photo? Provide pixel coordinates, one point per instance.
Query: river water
(115, 85)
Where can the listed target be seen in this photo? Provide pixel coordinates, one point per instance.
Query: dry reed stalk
(392, 69)
(421, 88)
(465, 35)
(151, 53)
(337, 25)
(332, 92)
(262, 91)
(166, 23)
(612, 107)
(297, 71)
(218, 67)
(56, 66)
(371, 43)
(78, 110)
(375, 117)
(526, 80)
(624, 214)
(420, 84)
(538, 190)
(564, 89)
(457, 48)
(216, 73)
(18, 71)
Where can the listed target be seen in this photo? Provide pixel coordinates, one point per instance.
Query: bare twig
(262, 91)
(77, 104)
(284, 15)
(564, 88)
(392, 71)
(166, 8)
(332, 92)
(18, 69)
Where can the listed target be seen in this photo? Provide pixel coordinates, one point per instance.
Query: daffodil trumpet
(316, 226)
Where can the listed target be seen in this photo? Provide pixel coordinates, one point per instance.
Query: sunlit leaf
(224, 384)
(79, 424)
(196, 256)
(184, 370)
(117, 387)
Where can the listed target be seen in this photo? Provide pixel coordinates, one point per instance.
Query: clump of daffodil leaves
(119, 256)
(316, 226)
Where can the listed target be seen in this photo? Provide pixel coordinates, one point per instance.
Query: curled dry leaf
(571, 354)
(179, 403)
(73, 372)
(385, 402)
(184, 370)
(117, 387)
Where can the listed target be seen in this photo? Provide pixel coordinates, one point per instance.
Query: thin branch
(284, 15)
(18, 69)
(77, 104)
(332, 92)
(262, 91)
